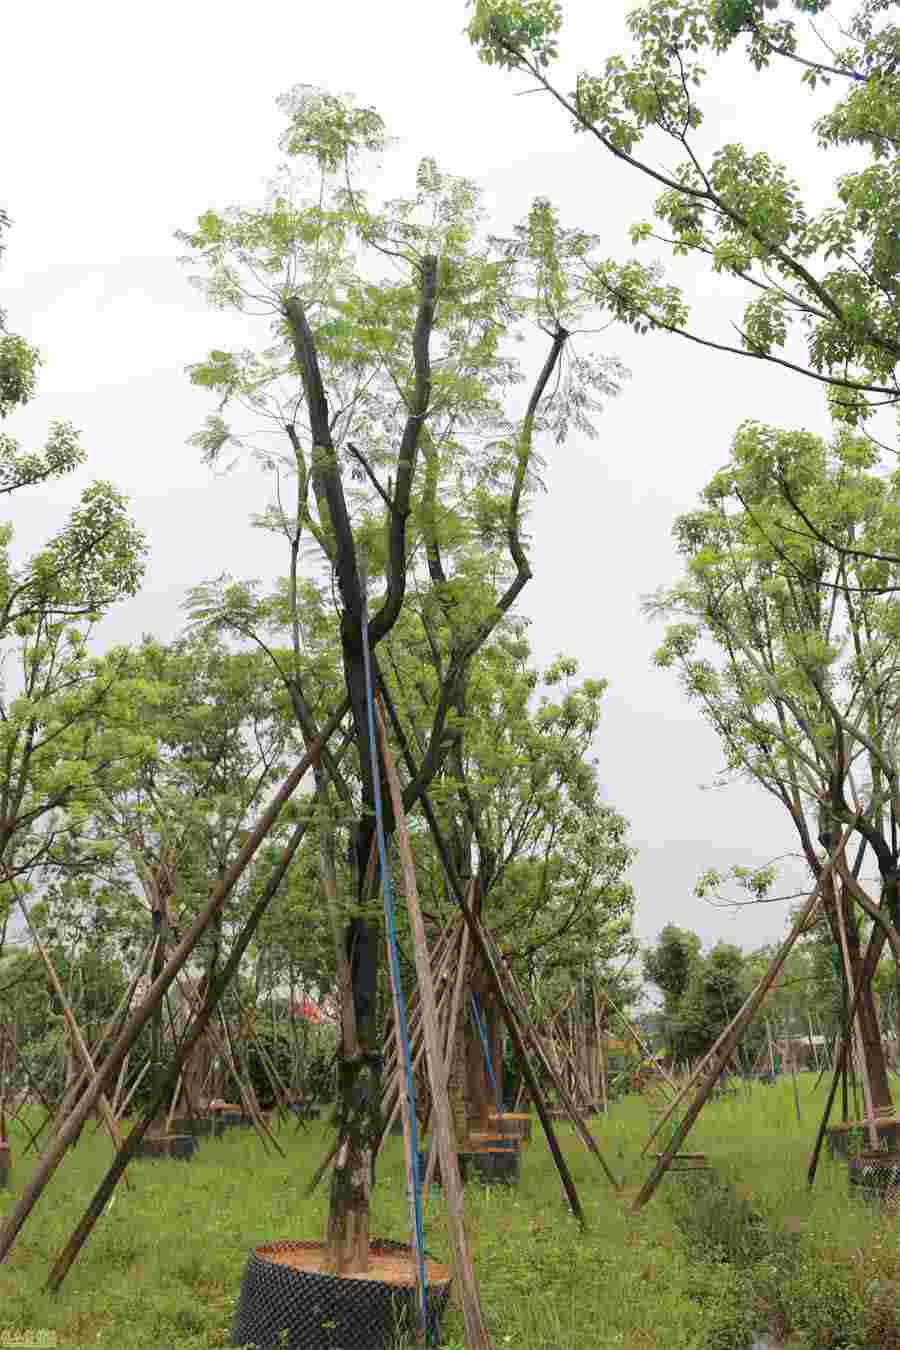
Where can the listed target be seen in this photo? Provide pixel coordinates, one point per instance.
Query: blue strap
(485, 1050)
(387, 890)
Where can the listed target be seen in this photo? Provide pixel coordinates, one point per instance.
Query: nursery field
(707, 1263)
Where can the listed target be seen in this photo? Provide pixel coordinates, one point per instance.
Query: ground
(163, 1265)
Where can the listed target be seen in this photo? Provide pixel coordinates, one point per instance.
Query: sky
(131, 122)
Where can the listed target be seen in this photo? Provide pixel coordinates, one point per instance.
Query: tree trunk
(359, 1089)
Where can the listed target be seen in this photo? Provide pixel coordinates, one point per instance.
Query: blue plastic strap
(485, 1050)
(387, 891)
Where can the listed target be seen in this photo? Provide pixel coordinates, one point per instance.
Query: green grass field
(701, 1266)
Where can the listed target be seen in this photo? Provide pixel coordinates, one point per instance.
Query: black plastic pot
(495, 1166)
(327, 1312)
(5, 1165)
(179, 1146)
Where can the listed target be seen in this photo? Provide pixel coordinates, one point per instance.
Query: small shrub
(716, 1223)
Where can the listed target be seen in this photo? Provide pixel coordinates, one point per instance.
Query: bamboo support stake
(476, 1331)
(737, 1027)
(877, 942)
(409, 1157)
(123, 1073)
(192, 1037)
(134, 1087)
(174, 1102)
(219, 892)
(524, 1035)
(450, 1037)
(417, 1059)
(854, 1027)
(584, 1134)
(78, 1042)
(639, 1043)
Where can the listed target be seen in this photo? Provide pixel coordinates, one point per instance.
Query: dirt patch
(385, 1267)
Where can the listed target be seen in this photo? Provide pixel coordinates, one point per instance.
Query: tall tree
(789, 649)
(383, 399)
(47, 607)
(669, 965)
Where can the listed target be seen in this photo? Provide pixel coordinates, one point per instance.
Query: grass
(704, 1264)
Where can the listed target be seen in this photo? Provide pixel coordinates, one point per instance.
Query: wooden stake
(219, 892)
(854, 1026)
(81, 1049)
(476, 1331)
(730, 1038)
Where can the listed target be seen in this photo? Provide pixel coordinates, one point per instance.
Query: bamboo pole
(410, 1157)
(584, 1134)
(876, 943)
(476, 1331)
(737, 1027)
(450, 1037)
(640, 1044)
(134, 1087)
(74, 1030)
(480, 944)
(530, 1037)
(191, 1039)
(855, 1026)
(219, 892)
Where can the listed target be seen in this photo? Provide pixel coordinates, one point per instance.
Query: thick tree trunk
(359, 1090)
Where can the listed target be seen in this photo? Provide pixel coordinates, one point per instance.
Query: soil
(384, 1267)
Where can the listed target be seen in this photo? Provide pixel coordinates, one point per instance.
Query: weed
(716, 1222)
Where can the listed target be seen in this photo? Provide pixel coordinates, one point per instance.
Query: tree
(383, 399)
(789, 651)
(669, 966)
(714, 994)
(821, 286)
(46, 748)
(164, 825)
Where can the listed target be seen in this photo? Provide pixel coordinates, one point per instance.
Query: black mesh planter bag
(495, 1166)
(167, 1146)
(330, 1312)
(462, 1160)
(876, 1178)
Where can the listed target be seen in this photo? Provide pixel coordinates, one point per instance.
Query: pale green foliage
(184, 753)
(49, 749)
(521, 788)
(786, 645)
(828, 279)
(62, 453)
(523, 25)
(18, 372)
(474, 469)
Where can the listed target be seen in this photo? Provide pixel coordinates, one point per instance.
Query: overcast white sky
(123, 123)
